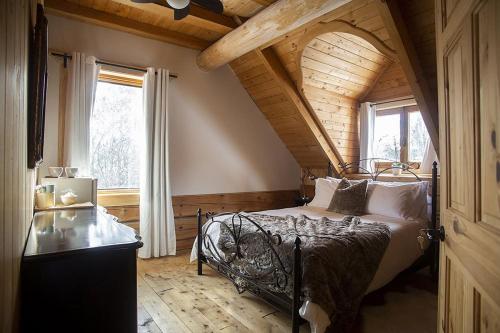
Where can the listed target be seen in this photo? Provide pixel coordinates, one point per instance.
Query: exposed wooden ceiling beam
(264, 2)
(198, 16)
(272, 22)
(289, 89)
(403, 44)
(90, 15)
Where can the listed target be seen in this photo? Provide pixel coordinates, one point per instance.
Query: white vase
(396, 172)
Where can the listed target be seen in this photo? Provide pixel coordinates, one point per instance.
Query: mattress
(401, 253)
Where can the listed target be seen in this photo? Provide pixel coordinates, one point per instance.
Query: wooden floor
(172, 298)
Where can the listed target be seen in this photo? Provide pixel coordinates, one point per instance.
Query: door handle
(431, 235)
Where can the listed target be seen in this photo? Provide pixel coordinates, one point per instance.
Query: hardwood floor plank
(145, 323)
(178, 300)
(163, 316)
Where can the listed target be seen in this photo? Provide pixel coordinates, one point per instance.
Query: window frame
(404, 131)
(119, 196)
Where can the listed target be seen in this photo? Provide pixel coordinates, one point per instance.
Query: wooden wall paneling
(280, 111)
(113, 21)
(410, 62)
(420, 16)
(186, 206)
(16, 181)
(392, 84)
(289, 89)
(271, 23)
(333, 69)
(332, 78)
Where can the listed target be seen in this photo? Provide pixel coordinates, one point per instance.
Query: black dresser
(79, 274)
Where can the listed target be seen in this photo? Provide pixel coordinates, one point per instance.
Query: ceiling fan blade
(159, 2)
(179, 14)
(213, 5)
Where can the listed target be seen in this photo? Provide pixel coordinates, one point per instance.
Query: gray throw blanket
(339, 258)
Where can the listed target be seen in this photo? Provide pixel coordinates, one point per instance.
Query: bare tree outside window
(387, 137)
(394, 125)
(114, 135)
(417, 137)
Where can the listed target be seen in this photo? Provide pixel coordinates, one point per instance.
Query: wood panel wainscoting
(124, 204)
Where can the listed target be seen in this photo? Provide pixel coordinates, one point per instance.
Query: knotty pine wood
(391, 85)
(468, 53)
(201, 23)
(280, 111)
(426, 97)
(186, 206)
(269, 25)
(420, 16)
(336, 70)
(172, 298)
(120, 20)
(16, 181)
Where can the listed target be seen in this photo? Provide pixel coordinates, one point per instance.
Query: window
(387, 143)
(114, 131)
(400, 135)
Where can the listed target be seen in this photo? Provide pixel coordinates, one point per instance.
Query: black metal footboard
(286, 281)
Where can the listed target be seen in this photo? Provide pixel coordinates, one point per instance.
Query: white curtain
(366, 133)
(80, 96)
(429, 157)
(157, 226)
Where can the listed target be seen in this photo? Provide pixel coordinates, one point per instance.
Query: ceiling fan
(181, 7)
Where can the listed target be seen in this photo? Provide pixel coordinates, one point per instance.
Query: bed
(255, 251)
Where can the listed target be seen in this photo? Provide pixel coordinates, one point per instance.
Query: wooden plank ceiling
(335, 73)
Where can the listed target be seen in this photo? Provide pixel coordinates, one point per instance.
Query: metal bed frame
(280, 275)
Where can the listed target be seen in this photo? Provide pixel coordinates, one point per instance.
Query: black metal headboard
(373, 167)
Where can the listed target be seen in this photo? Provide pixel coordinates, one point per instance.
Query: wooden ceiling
(309, 93)
(338, 69)
(342, 63)
(245, 8)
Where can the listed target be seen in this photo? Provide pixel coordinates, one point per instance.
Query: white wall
(219, 140)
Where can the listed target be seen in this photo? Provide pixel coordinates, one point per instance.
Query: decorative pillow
(323, 193)
(349, 199)
(400, 200)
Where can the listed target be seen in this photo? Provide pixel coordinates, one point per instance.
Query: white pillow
(400, 200)
(323, 192)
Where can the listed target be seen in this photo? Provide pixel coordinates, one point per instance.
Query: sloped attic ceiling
(336, 76)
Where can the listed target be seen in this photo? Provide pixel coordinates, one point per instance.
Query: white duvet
(401, 253)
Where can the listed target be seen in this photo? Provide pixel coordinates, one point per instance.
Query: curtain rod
(396, 100)
(139, 69)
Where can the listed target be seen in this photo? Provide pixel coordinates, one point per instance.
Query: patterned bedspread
(339, 258)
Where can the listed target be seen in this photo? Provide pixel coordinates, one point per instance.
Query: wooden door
(468, 50)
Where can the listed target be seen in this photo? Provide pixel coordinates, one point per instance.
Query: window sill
(404, 177)
(118, 197)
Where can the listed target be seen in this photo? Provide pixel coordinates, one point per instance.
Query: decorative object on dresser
(79, 265)
(71, 172)
(56, 172)
(84, 188)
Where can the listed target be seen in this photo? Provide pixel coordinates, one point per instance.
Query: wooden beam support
(280, 74)
(271, 23)
(90, 15)
(403, 44)
(198, 16)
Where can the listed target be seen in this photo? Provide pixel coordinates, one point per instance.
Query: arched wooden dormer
(338, 65)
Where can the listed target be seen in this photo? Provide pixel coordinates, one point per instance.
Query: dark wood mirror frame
(37, 88)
